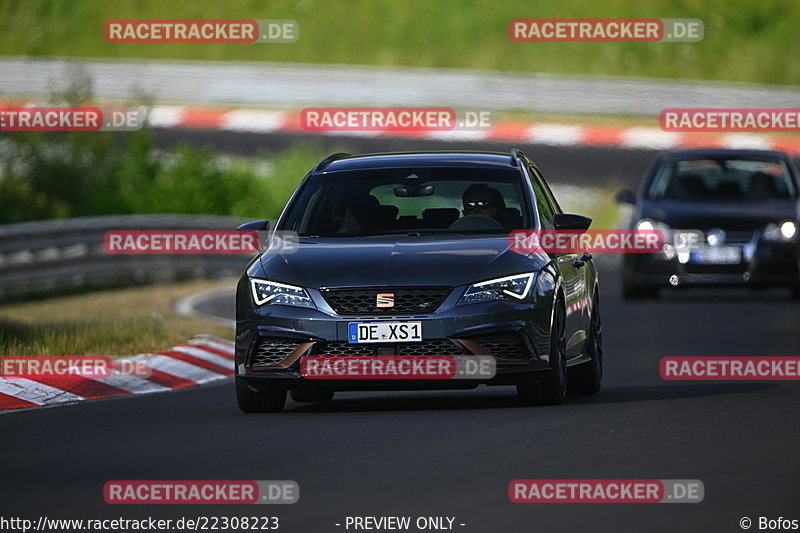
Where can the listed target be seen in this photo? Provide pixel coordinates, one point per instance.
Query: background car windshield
(431, 200)
(723, 180)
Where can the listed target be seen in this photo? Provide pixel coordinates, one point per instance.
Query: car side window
(550, 196)
(543, 205)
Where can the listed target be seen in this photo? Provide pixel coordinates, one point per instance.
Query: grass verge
(745, 40)
(116, 322)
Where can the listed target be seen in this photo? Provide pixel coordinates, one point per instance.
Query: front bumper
(271, 342)
(762, 264)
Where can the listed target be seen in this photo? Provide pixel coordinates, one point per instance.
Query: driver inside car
(477, 200)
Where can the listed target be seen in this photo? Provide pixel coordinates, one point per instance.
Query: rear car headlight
(784, 231)
(513, 288)
(269, 292)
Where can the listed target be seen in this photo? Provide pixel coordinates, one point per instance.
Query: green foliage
(745, 40)
(100, 173)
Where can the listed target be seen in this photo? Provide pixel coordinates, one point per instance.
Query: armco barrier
(67, 255)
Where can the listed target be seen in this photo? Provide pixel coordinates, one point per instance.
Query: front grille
(503, 345)
(342, 348)
(731, 236)
(738, 237)
(430, 347)
(699, 268)
(270, 352)
(426, 347)
(417, 300)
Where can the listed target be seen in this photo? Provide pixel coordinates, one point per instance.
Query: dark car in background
(729, 217)
(418, 239)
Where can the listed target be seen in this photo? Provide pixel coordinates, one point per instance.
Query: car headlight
(647, 224)
(514, 288)
(269, 292)
(788, 230)
(785, 231)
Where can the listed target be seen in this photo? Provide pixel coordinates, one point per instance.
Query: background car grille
(426, 347)
(269, 352)
(503, 345)
(738, 237)
(415, 300)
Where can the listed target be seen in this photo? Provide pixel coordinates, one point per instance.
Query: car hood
(396, 261)
(727, 215)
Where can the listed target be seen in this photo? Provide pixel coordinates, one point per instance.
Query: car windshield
(723, 180)
(409, 200)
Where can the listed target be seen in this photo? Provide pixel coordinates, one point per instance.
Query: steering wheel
(477, 221)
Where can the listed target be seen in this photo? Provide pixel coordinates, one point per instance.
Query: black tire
(553, 388)
(636, 291)
(311, 395)
(630, 289)
(251, 401)
(587, 378)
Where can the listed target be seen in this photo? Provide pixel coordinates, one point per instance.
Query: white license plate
(384, 332)
(724, 255)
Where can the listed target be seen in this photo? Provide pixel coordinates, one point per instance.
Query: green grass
(115, 322)
(745, 40)
(594, 202)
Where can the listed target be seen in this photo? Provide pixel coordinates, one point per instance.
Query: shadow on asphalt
(506, 398)
(721, 295)
(669, 392)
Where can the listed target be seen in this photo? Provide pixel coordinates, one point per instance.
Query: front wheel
(637, 291)
(632, 290)
(251, 401)
(553, 388)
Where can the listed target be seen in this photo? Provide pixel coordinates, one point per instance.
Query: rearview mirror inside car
(413, 190)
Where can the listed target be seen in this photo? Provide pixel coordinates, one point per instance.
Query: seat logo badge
(384, 299)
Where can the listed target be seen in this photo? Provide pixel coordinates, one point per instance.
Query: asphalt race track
(582, 165)
(454, 453)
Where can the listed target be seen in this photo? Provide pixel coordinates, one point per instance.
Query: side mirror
(625, 196)
(258, 225)
(571, 222)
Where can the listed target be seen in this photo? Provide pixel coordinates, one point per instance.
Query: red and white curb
(637, 137)
(202, 360)
(263, 121)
